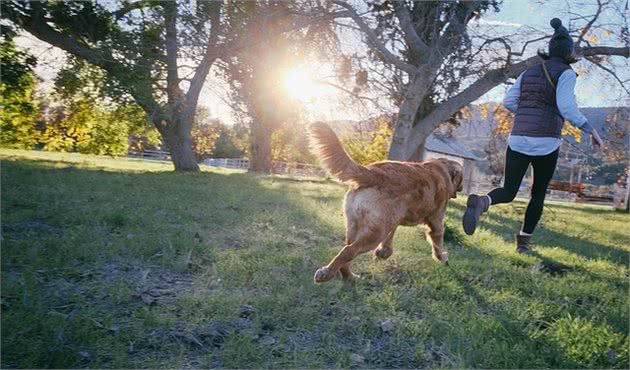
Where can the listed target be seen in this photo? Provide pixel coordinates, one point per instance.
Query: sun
(299, 84)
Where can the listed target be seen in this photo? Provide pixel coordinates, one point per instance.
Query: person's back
(537, 114)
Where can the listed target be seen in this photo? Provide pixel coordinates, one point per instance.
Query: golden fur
(384, 195)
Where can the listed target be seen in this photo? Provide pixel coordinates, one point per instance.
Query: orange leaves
(504, 119)
(570, 130)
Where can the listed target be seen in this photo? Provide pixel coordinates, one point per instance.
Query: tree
(256, 74)
(290, 144)
(85, 125)
(139, 46)
(439, 65)
(204, 133)
(83, 117)
(230, 142)
(19, 112)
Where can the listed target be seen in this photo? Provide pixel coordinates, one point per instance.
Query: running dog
(383, 196)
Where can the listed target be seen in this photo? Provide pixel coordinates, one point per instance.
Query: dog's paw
(323, 274)
(441, 257)
(350, 277)
(383, 253)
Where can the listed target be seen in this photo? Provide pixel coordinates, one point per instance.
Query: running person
(542, 97)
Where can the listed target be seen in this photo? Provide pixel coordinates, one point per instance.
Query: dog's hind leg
(367, 239)
(385, 249)
(436, 236)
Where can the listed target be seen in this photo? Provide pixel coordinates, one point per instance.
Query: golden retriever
(384, 195)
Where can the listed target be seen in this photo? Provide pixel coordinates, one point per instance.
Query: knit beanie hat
(561, 43)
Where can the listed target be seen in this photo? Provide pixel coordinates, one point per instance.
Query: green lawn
(119, 263)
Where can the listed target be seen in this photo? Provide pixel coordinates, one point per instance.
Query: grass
(124, 264)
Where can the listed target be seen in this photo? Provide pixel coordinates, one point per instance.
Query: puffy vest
(537, 113)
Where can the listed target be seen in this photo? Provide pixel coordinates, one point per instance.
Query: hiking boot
(523, 244)
(476, 205)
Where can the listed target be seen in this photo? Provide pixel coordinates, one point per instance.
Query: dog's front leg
(346, 272)
(329, 271)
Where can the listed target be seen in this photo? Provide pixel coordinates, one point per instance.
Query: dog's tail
(334, 158)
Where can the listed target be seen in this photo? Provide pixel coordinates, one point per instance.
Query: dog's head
(456, 173)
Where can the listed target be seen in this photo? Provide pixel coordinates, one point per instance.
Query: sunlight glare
(300, 84)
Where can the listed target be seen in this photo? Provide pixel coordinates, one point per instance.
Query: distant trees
(370, 144)
(77, 121)
(86, 126)
(19, 111)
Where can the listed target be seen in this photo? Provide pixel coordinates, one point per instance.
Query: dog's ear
(456, 171)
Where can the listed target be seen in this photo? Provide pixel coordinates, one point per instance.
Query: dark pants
(515, 167)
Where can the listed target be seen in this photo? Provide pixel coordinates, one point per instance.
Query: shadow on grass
(517, 322)
(241, 236)
(507, 228)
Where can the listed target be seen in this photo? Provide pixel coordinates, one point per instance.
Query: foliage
(606, 173)
(256, 75)
(617, 135)
(87, 127)
(135, 48)
(83, 246)
(371, 146)
(290, 144)
(204, 138)
(231, 141)
(19, 114)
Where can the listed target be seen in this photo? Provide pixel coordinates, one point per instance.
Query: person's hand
(596, 140)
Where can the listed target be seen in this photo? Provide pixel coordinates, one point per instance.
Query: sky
(323, 102)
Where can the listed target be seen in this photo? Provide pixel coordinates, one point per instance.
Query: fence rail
(277, 167)
(159, 155)
(309, 170)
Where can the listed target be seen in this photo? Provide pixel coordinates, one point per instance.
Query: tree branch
(128, 7)
(604, 50)
(611, 72)
(374, 41)
(520, 54)
(210, 56)
(172, 73)
(490, 80)
(590, 23)
(412, 39)
(36, 24)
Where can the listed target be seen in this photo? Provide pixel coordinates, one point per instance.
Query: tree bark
(260, 147)
(178, 139)
(416, 91)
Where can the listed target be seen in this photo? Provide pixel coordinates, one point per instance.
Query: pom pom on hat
(556, 23)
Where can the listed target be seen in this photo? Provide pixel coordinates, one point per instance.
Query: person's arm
(567, 105)
(513, 95)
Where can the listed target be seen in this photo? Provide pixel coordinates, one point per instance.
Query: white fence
(158, 155)
(278, 167)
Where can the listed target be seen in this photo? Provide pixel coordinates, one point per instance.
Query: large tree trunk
(414, 146)
(178, 139)
(260, 148)
(416, 90)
